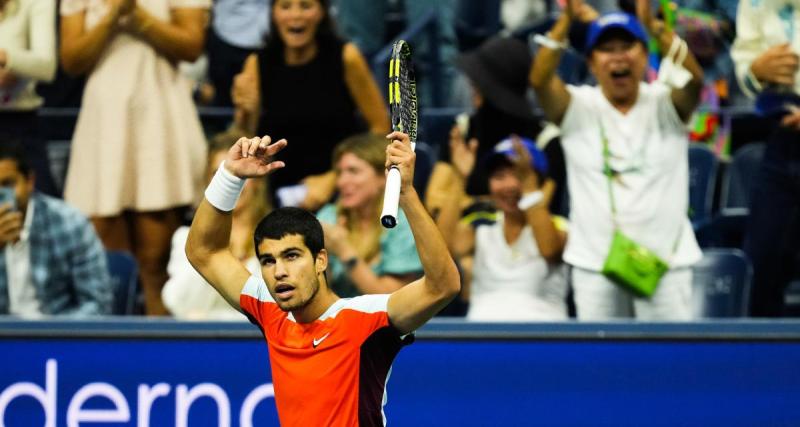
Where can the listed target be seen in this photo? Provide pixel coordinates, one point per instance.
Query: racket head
(403, 90)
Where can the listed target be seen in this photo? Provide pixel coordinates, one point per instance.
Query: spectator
(365, 258)
(186, 294)
(138, 153)
(238, 29)
(27, 56)
(514, 250)
(498, 73)
(364, 22)
(306, 85)
(626, 148)
(54, 264)
(766, 56)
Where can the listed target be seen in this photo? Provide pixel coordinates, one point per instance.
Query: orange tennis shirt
(332, 371)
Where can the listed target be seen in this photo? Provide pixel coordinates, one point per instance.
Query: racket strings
(408, 100)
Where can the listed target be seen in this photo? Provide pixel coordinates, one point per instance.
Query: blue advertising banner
(465, 382)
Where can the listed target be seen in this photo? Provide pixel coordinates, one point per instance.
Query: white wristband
(224, 190)
(546, 41)
(530, 200)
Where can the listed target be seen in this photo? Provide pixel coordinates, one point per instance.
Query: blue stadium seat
(124, 273)
(727, 228)
(702, 180)
(738, 179)
(721, 284)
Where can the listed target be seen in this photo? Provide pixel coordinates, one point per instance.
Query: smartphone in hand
(8, 197)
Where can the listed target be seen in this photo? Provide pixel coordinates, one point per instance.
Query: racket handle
(391, 198)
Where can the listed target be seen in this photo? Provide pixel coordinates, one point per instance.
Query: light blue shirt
(398, 253)
(242, 23)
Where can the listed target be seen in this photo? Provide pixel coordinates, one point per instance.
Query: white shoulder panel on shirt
(256, 288)
(363, 303)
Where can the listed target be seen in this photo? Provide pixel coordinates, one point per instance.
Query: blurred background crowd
(114, 114)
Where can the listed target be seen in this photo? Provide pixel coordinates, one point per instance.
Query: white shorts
(598, 298)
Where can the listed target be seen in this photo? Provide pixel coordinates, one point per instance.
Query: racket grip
(391, 198)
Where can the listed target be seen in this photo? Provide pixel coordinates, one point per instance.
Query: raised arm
(551, 93)
(182, 38)
(451, 186)
(414, 304)
(364, 90)
(208, 245)
(81, 48)
(686, 98)
(246, 96)
(549, 239)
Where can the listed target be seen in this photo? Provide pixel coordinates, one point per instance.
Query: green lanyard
(609, 173)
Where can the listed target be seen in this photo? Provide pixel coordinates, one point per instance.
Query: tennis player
(330, 357)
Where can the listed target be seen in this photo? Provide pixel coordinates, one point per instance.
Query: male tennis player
(330, 357)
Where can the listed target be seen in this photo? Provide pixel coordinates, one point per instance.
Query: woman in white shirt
(511, 255)
(626, 145)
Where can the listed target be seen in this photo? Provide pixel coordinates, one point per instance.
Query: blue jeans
(772, 240)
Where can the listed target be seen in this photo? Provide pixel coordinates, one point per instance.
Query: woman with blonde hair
(366, 258)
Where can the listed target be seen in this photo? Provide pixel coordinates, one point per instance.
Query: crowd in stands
(565, 172)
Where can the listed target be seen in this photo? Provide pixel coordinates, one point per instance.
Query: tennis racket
(403, 108)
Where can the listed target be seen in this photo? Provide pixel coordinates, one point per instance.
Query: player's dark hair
(287, 221)
(11, 149)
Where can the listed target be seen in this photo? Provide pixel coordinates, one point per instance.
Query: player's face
(619, 64)
(291, 273)
(297, 21)
(505, 189)
(359, 184)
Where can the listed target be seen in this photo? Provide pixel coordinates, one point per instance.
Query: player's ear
(321, 262)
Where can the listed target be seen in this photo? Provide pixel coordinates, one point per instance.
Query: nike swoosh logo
(318, 341)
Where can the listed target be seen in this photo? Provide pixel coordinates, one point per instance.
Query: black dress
(309, 105)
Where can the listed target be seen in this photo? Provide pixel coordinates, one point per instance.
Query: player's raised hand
(400, 154)
(252, 157)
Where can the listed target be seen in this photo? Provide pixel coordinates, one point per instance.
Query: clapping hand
(121, 8)
(777, 64)
(462, 154)
(336, 239)
(10, 224)
(792, 120)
